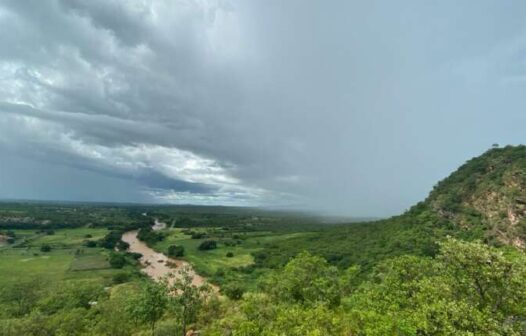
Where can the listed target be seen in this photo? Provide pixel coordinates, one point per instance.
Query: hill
(487, 194)
(485, 199)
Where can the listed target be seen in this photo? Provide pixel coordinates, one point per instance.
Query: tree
(115, 318)
(90, 243)
(469, 289)
(117, 260)
(233, 290)
(122, 245)
(175, 251)
(187, 299)
(110, 240)
(207, 245)
(120, 278)
(150, 304)
(486, 276)
(45, 248)
(198, 235)
(307, 280)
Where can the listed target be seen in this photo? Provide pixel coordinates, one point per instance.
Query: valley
(459, 252)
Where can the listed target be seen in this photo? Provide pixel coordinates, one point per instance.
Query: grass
(23, 265)
(210, 263)
(67, 260)
(67, 238)
(89, 262)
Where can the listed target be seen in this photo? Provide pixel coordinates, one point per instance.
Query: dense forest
(453, 264)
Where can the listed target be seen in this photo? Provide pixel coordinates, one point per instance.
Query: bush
(110, 240)
(229, 254)
(120, 278)
(198, 235)
(122, 245)
(90, 243)
(175, 251)
(207, 245)
(149, 236)
(45, 248)
(233, 291)
(134, 255)
(117, 260)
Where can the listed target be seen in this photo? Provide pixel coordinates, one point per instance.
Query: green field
(215, 264)
(68, 258)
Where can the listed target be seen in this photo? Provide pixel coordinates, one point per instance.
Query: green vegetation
(453, 264)
(207, 245)
(468, 289)
(175, 251)
(488, 193)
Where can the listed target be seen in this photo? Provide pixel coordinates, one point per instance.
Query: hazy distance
(353, 108)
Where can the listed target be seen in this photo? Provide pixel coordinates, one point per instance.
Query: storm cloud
(348, 107)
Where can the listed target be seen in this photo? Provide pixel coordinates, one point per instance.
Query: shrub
(134, 255)
(90, 243)
(198, 235)
(207, 245)
(233, 291)
(175, 251)
(117, 260)
(110, 240)
(45, 248)
(149, 236)
(229, 254)
(120, 278)
(122, 245)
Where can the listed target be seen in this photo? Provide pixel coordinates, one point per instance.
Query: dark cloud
(155, 180)
(349, 107)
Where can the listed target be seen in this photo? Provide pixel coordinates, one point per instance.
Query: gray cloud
(348, 107)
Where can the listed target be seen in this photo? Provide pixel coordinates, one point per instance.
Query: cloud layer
(344, 107)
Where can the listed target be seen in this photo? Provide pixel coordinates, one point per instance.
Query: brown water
(155, 264)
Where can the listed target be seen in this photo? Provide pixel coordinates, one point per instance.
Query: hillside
(485, 199)
(487, 194)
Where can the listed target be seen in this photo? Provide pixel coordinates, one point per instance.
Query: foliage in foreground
(468, 289)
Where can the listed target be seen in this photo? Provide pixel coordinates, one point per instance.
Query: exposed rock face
(488, 193)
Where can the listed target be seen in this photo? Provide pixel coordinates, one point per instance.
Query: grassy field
(215, 263)
(68, 258)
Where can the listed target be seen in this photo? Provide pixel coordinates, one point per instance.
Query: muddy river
(155, 264)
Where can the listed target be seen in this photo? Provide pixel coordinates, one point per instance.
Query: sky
(343, 107)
